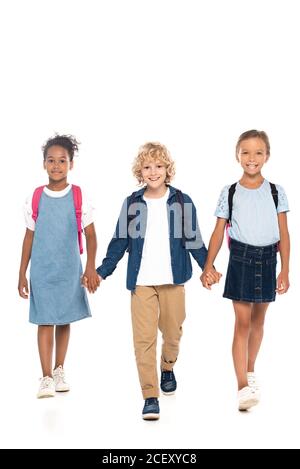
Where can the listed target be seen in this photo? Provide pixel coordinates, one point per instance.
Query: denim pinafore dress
(56, 294)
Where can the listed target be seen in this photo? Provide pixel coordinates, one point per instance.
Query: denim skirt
(251, 273)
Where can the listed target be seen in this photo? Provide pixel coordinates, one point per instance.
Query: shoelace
(252, 382)
(167, 376)
(45, 382)
(59, 374)
(150, 401)
(245, 392)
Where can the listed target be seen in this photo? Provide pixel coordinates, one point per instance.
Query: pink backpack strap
(228, 225)
(77, 196)
(35, 201)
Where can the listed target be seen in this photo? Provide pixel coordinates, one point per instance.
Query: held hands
(209, 277)
(23, 287)
(282, 283)
(90, 280)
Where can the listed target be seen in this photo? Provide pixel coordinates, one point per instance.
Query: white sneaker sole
(168, 393)
(150, 417)
(63, 389)
(46, 394)
(248, 403)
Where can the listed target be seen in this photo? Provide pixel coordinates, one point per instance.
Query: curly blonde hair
(157, 152)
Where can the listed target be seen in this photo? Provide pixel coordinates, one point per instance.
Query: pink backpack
(77, 196)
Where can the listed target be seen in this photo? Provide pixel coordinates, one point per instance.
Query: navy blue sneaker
(151, 409)
(168, 383)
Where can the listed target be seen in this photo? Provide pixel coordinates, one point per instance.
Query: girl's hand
(214, 275)
(282, 283)
(91, 280)
(209, 277)
(23, 287)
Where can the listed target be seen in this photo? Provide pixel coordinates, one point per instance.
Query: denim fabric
(151, 406)
(181, 264)
(168, 382)
(56, 296)
(251, 273)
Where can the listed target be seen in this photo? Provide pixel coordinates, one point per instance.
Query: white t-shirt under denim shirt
(156, 266)
(254, 219)
(86, 207)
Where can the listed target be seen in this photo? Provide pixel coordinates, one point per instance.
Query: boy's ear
(71, 164)
(44, 164)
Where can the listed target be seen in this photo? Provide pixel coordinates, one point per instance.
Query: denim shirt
(184, 234)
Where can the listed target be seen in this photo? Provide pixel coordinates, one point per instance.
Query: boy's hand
(206, 283)
(84, 281)
(23, 287)
(282, 283)
(90, 280)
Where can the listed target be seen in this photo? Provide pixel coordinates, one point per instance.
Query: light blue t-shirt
(254, 219)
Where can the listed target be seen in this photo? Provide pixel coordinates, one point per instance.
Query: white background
(193, 75)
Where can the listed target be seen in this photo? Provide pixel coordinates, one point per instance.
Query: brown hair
(253, 134)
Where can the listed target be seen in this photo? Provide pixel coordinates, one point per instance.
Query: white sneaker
(253, 383)
(47, 387)
(247, 398)
(60, 380)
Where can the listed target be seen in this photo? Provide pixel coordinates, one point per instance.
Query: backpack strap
(77, 196)
(37, 194)
(130, 201)
(180, 200)
(129, 218)
(231, 192)
(274, 192)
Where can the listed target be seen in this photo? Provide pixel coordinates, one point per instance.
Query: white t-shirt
(156, 266)
(87, 208)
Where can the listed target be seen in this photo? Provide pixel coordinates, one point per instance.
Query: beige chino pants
(152, 308)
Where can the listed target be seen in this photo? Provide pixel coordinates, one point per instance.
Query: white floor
(194, 80)
(103, 408)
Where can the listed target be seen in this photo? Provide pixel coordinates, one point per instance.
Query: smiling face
(57, 163)
(252, 155)
(154, 174)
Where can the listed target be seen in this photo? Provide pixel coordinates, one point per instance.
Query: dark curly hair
(68, 142)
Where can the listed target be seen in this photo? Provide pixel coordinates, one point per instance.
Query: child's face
(252, 155)
(154, 173)
(57, 163)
